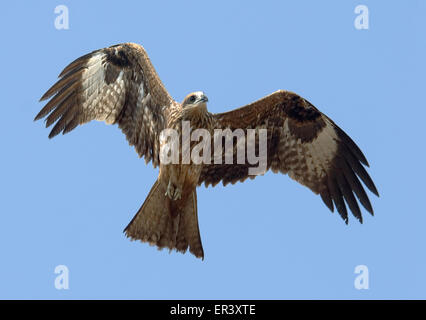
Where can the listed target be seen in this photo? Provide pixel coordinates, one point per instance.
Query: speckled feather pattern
(119, 85)
(303, 143)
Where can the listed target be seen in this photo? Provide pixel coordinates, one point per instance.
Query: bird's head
(195, 99)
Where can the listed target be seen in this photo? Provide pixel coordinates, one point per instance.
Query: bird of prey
(119, 85)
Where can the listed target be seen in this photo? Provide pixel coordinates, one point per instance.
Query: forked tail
(167, 223)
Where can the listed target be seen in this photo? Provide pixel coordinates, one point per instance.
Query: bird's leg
(170, 191)
(180, 181)
(176, 181)
(178, 193)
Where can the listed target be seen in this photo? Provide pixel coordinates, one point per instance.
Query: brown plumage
(119, 85)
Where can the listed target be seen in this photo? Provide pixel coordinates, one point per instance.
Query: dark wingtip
(325, 196)
(48, 93)
(52, 135)
(373, 189)
(370, 210)
(351, 145)
(369, 183)
(55, 131)
(41, 114)
(37, 117)
(44, 97)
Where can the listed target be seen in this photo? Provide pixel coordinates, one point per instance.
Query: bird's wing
(303, 143)
(117, 85)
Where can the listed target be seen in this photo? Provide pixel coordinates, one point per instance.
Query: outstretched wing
(303, 143)
(117, 85)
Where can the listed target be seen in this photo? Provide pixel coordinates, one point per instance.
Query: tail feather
(167, 223)
(188, 231)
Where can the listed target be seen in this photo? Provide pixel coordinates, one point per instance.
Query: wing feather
(117, 85)
(303, 143)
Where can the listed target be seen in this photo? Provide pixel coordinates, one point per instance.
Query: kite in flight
(119, 85)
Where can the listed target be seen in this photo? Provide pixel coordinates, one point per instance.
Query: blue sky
(66, 201)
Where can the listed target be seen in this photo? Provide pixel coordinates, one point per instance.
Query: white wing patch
(307, 162)
(93, 74)
(98, 96)
(323, 149)
(141, 93)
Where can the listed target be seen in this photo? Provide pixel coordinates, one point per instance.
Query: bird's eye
(192, 98)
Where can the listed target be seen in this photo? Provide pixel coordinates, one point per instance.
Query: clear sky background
(66, 201)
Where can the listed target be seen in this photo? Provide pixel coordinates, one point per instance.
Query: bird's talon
(170, 191)
(178, 194)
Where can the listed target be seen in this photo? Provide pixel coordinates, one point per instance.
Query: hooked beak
(203, 99)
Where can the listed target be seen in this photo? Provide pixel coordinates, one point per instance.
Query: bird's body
(179, 180)
(186, 175)
(119, 85)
